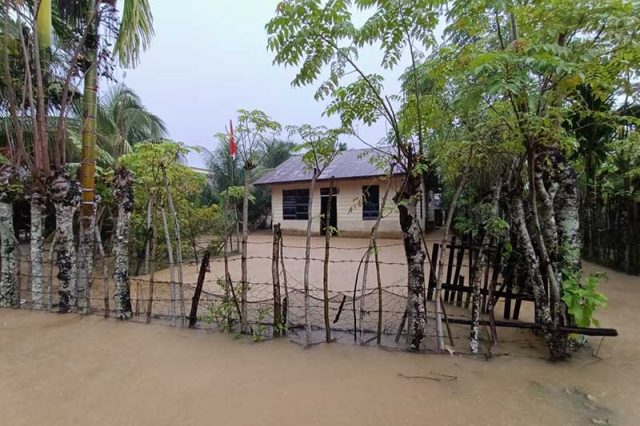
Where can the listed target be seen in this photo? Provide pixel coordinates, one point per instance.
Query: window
(295, 204)
(324, 192)
(370, 202)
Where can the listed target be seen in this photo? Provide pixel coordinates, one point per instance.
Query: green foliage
(258, 331)
(260, 150)
(253, 131)
(315, 36)
(122, 122)
(583, 299)
(319, 145)
(235, 193)
(134, 32)
(147, 162)
(223, 313)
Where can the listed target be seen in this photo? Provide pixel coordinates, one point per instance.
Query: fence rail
(376, 313)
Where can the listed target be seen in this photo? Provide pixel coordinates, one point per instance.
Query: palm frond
(135, 32)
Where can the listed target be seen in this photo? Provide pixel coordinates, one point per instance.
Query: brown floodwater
(68, 369)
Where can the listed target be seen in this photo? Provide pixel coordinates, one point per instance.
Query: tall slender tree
(254, 129)
(134, 34)
(313, 35)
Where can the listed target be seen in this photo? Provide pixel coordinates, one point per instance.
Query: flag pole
(232, 153)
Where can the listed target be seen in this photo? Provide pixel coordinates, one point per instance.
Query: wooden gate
(458, 282)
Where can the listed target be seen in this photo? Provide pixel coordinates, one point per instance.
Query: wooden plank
(495, 269)
(193, 315)
(516, 309)
(460, 288)
(450, 264)
(432, 275)
(473, 258)
(456, 274)
(612, 332)
(485, 284)
(498, 293)
(508, 283)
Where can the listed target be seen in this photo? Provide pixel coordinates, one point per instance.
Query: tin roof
(349, 164)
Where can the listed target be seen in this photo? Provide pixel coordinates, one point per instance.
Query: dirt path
(65, 370)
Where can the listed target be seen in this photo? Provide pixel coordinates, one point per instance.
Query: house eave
(340, 179)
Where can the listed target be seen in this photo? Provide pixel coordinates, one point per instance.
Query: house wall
(349, 207)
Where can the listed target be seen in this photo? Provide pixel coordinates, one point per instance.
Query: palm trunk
(414, 252)
(9, 246)
(85, 259)
(37, 251)
(307, 264)
(88, 163)
(123, 193)
(105, 272)
(66, 199)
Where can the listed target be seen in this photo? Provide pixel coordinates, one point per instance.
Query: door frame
(324, 201)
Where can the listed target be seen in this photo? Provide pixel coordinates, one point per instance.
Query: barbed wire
(387, 303)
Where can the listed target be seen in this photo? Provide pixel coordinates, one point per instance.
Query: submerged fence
(358, 309)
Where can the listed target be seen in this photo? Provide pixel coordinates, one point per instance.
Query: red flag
(233, 148)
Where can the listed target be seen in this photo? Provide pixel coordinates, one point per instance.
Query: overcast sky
(209, 59)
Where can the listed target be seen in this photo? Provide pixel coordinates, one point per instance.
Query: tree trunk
(287, 301)
(66, 199)
(245, 238)
(105, 272)
(52, 249)
(414, 252)
(153, 270)
(148, 243)
(37, 251)
(325, 272)
(176, 231)
(172, 281)
(85, 258)
(123, 193)
(567, 204)
(88, 164)
(275, 277)
(379, 282)
(372, 248)
(443, 255)
(556, 341)
(9, 247)
(307, 264)
(482, 261)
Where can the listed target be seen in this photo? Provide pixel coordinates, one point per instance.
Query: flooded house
(355, 201)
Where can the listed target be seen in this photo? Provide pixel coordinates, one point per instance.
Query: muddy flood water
(68, 369)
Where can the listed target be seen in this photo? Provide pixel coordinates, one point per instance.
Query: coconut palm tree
(134, 34)
(122, 121)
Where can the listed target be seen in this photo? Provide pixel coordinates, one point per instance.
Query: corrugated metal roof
(347, 165)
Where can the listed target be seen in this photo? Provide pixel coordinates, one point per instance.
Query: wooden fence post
(275, 276)
(152, 231)
(379, 279)
(193, 316)
(325, 274)
(287, 302)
